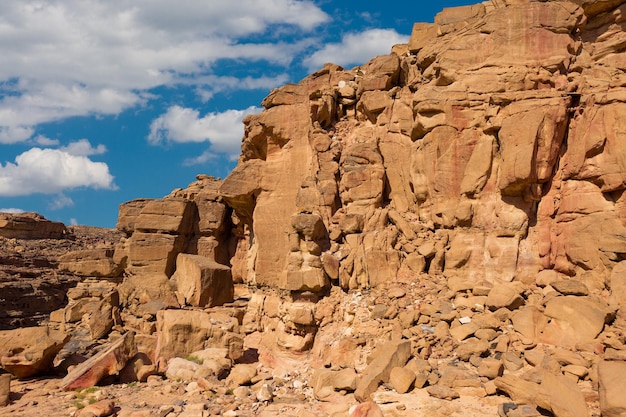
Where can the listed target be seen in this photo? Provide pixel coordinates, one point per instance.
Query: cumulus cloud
(184, 125)
(83, 147)
(65, 58)
(51, 171)
(356, 48)
(11, 210)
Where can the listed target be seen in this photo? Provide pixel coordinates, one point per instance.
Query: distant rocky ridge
(458, 204)
(31, 286)
(30, 226)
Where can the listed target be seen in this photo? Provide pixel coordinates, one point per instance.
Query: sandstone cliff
(488, 149)
(456, 207)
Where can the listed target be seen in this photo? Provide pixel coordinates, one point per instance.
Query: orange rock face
(476, 138)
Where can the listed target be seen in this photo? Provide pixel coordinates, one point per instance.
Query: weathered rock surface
(31, 285)
(611, 380)
(389, 356)
(5, 389)
(91, 263)
(202, 282)
(443, 222)
(110, 361)
(180, 333)
(30, 226)
(30, 351)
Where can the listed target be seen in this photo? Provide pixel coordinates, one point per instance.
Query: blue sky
(104, 101)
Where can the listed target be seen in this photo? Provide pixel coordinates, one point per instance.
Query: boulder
(518, 389)
(137, 368)
(490, 368)
(241, 374)
(109, 361)
(154, 291)
(31, 350)
(388, 356)
(182, 332)
(564, 397)
(202, 282)
(150, 253)
(128, 213)
(345, 379)
(611, 386)
(102, 408)
(573, 320)
(179, 369)
(401, 379)
(101, 320)
(174, 216)
(505, 295)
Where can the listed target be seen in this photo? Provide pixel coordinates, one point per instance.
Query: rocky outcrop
(31, 283)
(99, 262)
(475, 136)
(447, 220)
(30, 226)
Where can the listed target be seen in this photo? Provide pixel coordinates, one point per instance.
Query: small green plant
(78, 404)
(192, 358)
(82, 393)
(230, 392)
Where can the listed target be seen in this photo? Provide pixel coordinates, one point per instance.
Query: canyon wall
(487, 149)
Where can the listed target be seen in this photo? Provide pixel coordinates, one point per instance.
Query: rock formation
(456, 209)
(30, 226)
(34, 279)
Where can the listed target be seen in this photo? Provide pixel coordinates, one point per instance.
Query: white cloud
(183, 125)
(211, 84)
(51, 171)
(73, 222)
(356, 48)
(11, 210)
(83, 147)
(14, 133)
(45, 141)
(64, 58)
(203, 158)
(60, 201)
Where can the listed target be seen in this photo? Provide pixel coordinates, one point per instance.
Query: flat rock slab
(109, 361)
